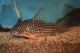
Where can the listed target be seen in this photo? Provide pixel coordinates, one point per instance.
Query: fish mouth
(15, 34)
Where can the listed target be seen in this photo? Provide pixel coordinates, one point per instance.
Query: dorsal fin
(17, 12)
(40, 15)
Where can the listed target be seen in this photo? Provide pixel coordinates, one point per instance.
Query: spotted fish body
(35, 27)
(31, 28)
